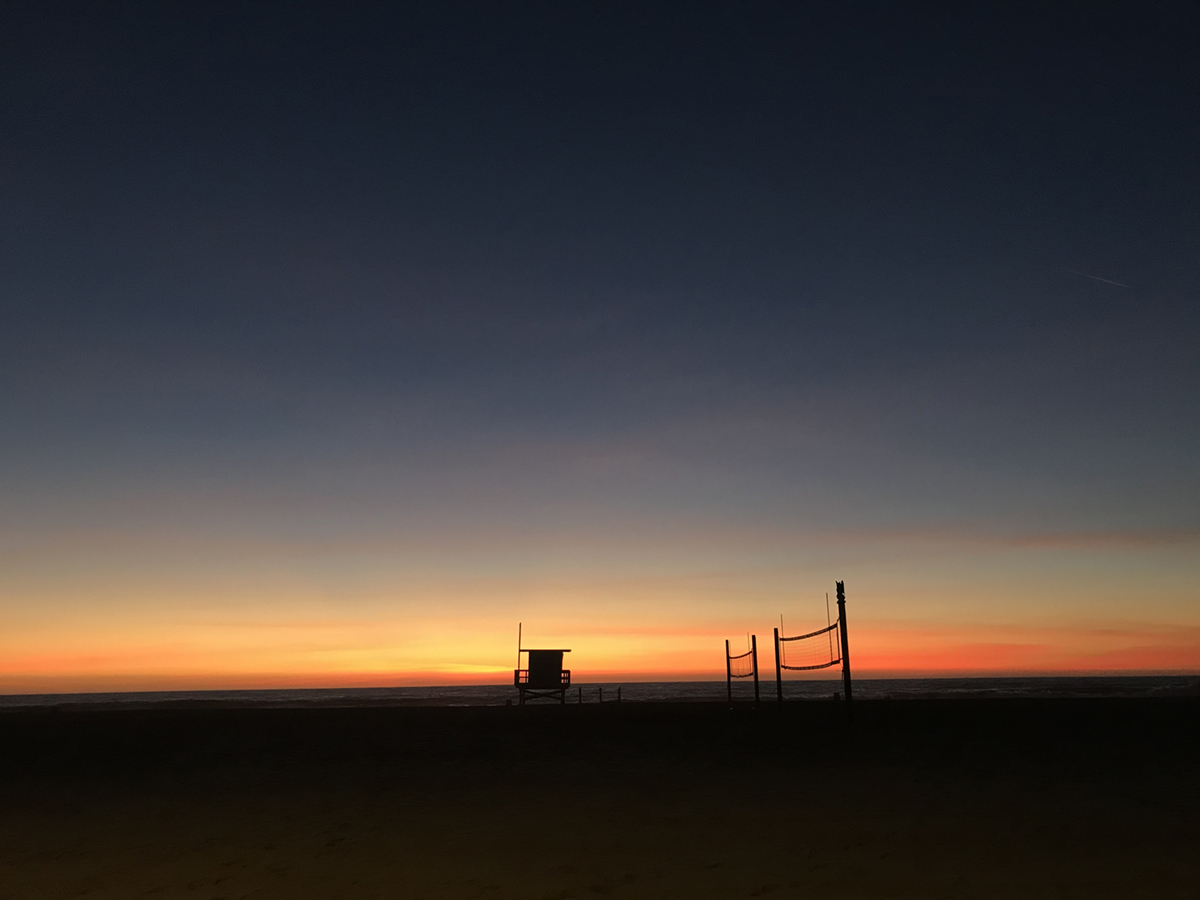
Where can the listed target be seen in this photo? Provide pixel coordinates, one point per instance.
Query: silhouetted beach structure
(818, 649)
(544, 678)
(744, 665)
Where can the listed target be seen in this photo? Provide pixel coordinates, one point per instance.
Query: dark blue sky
(362, 269)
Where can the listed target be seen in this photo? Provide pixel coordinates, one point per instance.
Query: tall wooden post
(754, 659)
(728, 675)
(841, 601)
(778, 671)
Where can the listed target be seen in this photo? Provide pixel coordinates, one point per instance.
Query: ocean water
(498, 695)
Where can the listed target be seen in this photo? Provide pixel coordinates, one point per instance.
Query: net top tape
(801, 637)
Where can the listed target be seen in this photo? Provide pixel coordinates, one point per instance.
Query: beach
(923, 798)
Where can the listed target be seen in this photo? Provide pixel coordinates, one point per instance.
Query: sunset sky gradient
(337, 340)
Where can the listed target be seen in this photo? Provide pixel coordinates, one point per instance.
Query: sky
(338, 339)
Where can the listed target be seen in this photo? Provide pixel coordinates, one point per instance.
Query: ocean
(683, 691)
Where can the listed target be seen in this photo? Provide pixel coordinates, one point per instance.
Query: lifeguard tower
(545, 678)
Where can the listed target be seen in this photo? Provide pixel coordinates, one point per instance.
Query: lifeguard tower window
(545, 669)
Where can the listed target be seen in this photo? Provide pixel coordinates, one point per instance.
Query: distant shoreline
(1068, 686)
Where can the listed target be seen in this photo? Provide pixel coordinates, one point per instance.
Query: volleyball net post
(754, 651)
(778, 672)
(841, 602)
(728, 675)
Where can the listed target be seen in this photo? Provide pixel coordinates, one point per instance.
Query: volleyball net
(818, 649)
(742, 666)
(821, 649)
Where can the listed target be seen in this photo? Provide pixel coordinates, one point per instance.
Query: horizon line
(867, 675)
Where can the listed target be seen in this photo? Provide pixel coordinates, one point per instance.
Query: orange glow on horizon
(600, 655)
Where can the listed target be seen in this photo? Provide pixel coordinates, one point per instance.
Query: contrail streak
(1095, 277)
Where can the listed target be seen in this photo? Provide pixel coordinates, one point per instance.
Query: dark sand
(996, 798)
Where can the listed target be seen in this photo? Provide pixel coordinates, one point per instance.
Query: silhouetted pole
(841, 600)
(517, 674)
(728, 674)
(778, 671)
(754, 658)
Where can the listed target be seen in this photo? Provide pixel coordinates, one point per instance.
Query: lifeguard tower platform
(545, 678)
